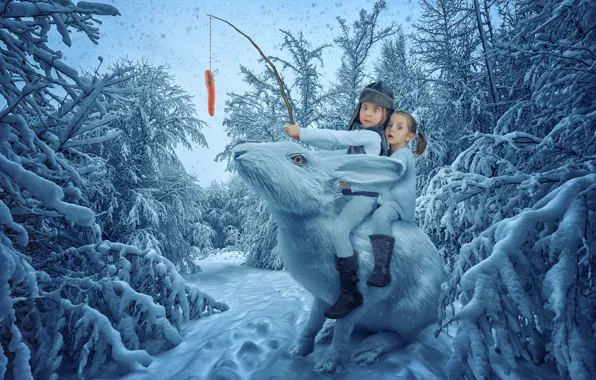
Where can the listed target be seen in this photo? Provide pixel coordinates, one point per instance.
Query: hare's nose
(238, 153)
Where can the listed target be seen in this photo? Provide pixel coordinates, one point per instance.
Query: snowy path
(267, 311)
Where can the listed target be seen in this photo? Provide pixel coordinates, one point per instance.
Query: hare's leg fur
(330, 363)
(326, 333)
(371, 348)
(305, 344)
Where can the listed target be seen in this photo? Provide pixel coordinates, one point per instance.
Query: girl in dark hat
(365, 135)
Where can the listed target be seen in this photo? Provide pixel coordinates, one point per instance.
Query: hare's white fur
(304, 200)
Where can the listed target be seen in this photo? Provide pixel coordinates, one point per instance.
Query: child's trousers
(382, 219)
(350, 216)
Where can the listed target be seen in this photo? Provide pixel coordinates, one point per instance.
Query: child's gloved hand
(293, 130)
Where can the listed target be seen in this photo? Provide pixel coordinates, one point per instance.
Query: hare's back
(412, 245)
(409, 234)
(406, 233)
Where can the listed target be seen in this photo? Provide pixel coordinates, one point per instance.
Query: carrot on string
(210, 80)
(210, 83)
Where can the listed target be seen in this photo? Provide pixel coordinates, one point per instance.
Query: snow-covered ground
(267, 311)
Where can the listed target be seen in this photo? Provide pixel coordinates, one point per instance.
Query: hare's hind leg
(374, 346)
(305, 344)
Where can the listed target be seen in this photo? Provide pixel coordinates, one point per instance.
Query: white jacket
(333, 140)
(401, 195)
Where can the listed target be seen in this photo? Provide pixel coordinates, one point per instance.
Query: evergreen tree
(152, 202)
(70, 302)
(516, 209)
(309, 99)
(446, 42)
(399, 67)
(223, 212)
(260, 113)
(257, 115)
(356, 43)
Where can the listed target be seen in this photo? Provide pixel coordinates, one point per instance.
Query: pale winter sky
(177, 33)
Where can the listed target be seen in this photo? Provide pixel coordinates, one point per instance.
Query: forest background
(96, 203)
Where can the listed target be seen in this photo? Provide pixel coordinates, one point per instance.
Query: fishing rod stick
(279, 81)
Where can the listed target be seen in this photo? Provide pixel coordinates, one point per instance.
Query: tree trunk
(485, 48)
(489, 25)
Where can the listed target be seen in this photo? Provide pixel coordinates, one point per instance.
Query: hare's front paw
(302, 347)
(326, 333)
(330, 363)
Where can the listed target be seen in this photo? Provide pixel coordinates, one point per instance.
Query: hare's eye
(298, 159)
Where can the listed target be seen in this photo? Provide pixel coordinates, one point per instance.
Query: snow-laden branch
(523, 282)
(76, 309)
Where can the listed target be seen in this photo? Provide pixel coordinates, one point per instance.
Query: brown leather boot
(382, 251)
(349, 296)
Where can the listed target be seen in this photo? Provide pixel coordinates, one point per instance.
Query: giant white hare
(300, 187)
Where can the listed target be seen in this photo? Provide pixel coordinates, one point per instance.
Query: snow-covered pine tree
(259, 234)
(255, 115)
(69, 309)
(522, 209)
(446, 42)
(50, 111)
(152, 201)
(400, 68)
(521, 204)
(356, 43)
(308, 105)
(259, 115)
(222, 212)
(485, 32)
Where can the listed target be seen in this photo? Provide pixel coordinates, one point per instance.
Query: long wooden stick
(279, 81)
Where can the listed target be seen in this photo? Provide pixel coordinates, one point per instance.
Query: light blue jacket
(333, 140)
(401, 194)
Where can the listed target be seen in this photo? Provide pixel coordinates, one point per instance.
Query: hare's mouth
(253, 175)
(243, 167)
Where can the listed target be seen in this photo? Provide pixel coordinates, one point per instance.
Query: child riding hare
(365, 135)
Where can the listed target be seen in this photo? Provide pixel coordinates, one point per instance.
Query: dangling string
(213, 72)
(210, 18)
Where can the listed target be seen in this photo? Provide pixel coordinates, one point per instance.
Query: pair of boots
(349, 296)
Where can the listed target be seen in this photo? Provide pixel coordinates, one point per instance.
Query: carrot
(210, 83)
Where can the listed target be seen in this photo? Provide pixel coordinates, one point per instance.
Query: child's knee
(381, 216)
(340, 232)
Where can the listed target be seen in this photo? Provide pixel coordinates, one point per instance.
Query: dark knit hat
(376, 93)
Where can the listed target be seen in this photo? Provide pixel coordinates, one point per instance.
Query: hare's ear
(364, 169)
